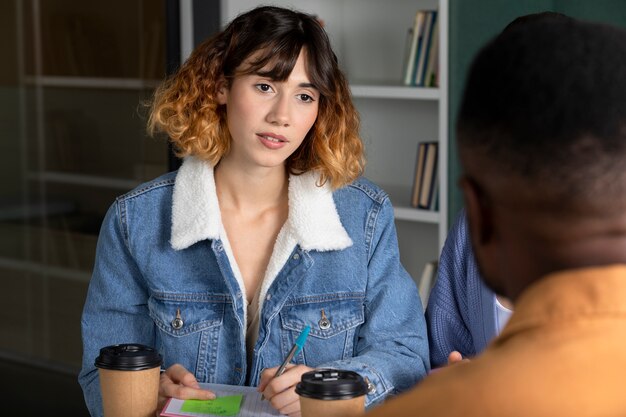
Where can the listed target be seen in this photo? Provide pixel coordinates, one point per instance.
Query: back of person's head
(542, 139)
(540, 16)
(546, 101)
(266, 40)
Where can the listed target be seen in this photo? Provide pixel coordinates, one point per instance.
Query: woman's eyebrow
(307, 85)
(300, 85)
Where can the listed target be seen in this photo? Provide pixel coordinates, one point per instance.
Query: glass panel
(72, 138)
(119, 38)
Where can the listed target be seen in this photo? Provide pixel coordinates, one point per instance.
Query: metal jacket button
(178, 322)
(324, 323)
(371, 388)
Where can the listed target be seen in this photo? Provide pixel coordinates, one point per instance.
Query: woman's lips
(272, 141)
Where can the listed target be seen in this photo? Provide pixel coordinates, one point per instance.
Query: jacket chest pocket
(188, 330)
(334, 323)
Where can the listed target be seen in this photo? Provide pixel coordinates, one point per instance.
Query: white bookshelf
(395, 92)
(369, 38)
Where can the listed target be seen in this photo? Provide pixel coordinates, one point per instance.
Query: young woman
(265, 229)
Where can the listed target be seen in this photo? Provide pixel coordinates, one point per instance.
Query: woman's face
(267, 119)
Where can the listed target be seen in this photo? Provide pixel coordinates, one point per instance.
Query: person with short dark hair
(463, 314)
(542, 138)
(266, 228)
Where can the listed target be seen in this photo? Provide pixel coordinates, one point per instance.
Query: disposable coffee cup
(331, 393)
(129, 380)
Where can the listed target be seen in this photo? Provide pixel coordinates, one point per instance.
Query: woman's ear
(221, 89)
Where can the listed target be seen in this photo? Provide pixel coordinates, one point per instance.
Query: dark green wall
(474, 22)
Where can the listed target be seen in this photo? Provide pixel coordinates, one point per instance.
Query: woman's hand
(281, 391)
(179, 383)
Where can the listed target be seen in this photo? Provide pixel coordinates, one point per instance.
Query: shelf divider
(360, 90)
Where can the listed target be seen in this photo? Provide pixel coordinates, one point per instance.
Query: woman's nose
(279, 112)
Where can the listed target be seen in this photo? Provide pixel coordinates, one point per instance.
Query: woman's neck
(258, 189)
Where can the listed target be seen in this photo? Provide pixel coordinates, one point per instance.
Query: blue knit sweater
(461, 312)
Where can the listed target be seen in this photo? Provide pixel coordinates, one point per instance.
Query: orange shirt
(563, 353)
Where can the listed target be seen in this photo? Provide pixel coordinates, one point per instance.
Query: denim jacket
(162, 249)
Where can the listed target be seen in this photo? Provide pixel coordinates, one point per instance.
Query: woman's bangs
(276, 61)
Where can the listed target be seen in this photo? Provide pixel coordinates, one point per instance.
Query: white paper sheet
(251, 404)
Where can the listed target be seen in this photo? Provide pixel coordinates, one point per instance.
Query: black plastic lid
(331, 384)
(128, 357)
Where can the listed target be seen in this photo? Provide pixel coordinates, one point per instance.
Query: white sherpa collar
(313, 219)
(195, 211)
(312, 222)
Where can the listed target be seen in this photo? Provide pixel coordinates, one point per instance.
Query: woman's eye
(264, 87)
(305, 97)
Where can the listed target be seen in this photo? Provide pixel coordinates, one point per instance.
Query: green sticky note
(222, 406)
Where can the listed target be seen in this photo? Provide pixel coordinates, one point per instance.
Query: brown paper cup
(129, 380)
(332, 408)
(332, 393)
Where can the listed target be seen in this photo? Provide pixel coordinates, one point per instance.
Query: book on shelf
(429, 177)
(419, 170)
(407, 52)
(434, 201)
(421, 49)
(425, 181)
(427, 280)
(416, 35)
(420, 68)
(431, 76)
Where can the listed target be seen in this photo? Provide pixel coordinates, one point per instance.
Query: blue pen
(297, 347)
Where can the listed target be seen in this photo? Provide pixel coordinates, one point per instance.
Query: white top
(503, 315)
(252, 331)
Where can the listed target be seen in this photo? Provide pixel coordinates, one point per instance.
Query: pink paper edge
(166, 414)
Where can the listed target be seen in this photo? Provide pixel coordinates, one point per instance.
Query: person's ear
(221, 91)
(479, 211)
(485, 235)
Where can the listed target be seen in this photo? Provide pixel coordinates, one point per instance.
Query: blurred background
(72, 138)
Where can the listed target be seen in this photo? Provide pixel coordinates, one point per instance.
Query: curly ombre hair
(185, 106)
